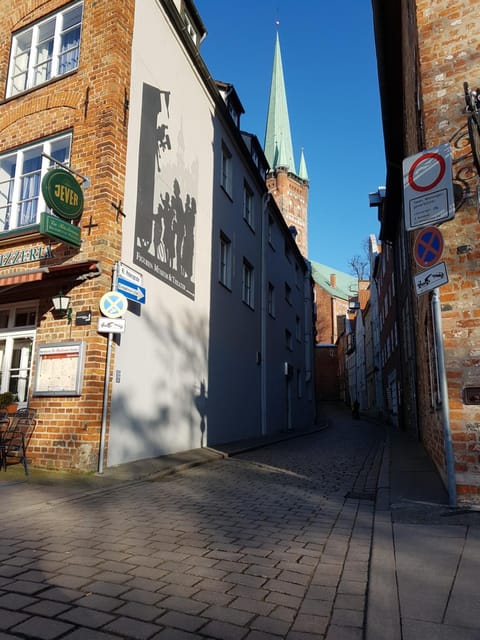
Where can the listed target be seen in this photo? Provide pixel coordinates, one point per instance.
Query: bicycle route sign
(428, 247)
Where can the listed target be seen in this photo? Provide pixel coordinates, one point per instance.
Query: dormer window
(190, 28)
(234, 114)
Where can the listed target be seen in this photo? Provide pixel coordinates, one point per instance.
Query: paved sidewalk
(425, 558)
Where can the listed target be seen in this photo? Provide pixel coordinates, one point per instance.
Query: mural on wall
(166, 207)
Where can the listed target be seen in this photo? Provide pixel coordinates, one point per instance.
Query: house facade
(163, 244)
(427, 73)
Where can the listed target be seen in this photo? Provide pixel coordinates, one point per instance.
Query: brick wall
(449, 39)
(291, 196)
(91, 102)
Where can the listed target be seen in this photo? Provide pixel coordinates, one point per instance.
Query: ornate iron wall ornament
(472, 101)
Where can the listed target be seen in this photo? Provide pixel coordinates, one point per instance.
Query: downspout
(443, 388)
(263, 310)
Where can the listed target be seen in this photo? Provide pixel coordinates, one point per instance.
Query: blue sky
(329, 65)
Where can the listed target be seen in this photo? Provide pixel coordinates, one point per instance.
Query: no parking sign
(428, 247)
(428, 187)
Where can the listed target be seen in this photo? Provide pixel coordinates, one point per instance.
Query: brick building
(288, 187)
(426, 54)
(84, 94)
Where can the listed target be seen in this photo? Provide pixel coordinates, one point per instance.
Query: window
(247, 284)
(299, 384)
(288, 293)
(297, 275)
(190, 28)
(225, 267)
(270, 230)
(288, 340)
(17, 332)
(298, 329)
(271, 299)
(49, 49)
(248, 206)
(21, 174)
(226, 177)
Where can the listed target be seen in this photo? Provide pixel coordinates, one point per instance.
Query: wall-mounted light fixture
(61, 305)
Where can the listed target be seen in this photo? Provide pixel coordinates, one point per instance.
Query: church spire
(302, 171)
(278, 140)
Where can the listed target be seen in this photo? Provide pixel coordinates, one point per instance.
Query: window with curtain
(48, 49)
(21, 174)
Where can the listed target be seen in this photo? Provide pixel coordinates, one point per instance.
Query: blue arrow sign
(131, 290)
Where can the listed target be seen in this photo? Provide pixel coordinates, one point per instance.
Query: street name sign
(127, 273)
(428, 188)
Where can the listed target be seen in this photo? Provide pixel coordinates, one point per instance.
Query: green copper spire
(302, 172)
(278, 139)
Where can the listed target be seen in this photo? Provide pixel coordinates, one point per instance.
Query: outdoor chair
(16, 436)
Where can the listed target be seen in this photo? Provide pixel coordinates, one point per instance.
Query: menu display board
(59, 370)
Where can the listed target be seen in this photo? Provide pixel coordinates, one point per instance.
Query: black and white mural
(166, 207)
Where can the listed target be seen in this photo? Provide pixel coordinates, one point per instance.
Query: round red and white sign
(426, 172)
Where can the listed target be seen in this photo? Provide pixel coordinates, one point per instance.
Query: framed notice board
(59, 370)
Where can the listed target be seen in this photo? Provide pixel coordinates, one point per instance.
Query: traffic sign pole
(106, 381)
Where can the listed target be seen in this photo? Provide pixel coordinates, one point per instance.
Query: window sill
(21, 94)
(20, 233)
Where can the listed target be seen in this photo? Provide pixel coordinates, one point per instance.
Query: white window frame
(189, 26)
(248, 283)
(248, 206)
(10, 334)
(226, 180)
(225, 261)
(25, 62)
(21, 199)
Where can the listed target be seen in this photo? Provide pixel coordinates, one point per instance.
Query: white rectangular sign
(431, 278)
(428, 188)
(111, 325)
(126, 272)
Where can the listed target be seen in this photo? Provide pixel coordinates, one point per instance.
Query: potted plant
(8, 401)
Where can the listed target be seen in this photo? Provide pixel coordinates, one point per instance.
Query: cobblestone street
(269, 544)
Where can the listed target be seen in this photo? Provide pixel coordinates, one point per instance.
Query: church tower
(288, 188)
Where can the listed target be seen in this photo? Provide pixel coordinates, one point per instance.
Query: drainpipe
(442, 382)
(263, 310)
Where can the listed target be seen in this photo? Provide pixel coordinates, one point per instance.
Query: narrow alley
(291, 540)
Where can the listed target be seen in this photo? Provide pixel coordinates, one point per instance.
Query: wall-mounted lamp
(61, 305)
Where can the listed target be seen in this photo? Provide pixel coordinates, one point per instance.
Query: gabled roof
(345, 285)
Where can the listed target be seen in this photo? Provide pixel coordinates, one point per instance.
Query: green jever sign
(63, 194)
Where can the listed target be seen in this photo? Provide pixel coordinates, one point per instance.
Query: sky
(330, 72)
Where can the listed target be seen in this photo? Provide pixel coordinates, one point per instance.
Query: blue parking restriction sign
(428, 247)
(113, 304)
